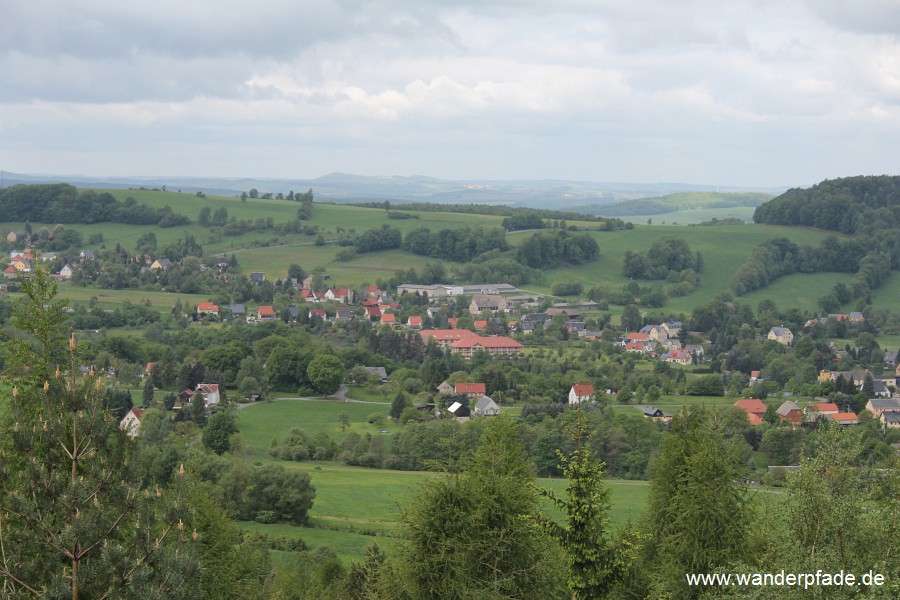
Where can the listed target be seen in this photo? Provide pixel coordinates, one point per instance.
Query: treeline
(778, 257)
(848, 205)
(63, 203)
(487, 209)
(459, 245)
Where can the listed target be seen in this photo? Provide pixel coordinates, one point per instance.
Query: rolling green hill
(684, 204)
(723, 248)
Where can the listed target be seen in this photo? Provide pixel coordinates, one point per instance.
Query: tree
(147, 392)
(697, 515)
(399, 403)
(631, 318)
(217, 433)
(596, 562)
(344, 420)
(73, 520)
(468, 535)
(325, 373)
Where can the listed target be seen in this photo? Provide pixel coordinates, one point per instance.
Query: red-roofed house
(581, 393)
(265, 313)
(388, 319)
(635, 336)
(415, 322)
(207, 308)
(848, 418)
(472, 390)
(373, 312)
(481, 324)
(131, 422)
(318, 312)
(444, 337)
(755, 409)
(210, 392)
(452, 321)
(495, 346)
(339, 294)
(817, 410)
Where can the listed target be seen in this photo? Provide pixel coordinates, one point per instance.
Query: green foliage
(697, 518)
(596, 563)
(467, 537)
(269, 491)
(549, 250)
(74, 519)
(217, 433)
(325, 373)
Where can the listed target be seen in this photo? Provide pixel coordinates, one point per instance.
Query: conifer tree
(73, 521)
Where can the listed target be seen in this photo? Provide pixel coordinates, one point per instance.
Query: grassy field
(356, 506)
(353, 504)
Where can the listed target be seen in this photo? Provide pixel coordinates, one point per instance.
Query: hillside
(683, 202)
(847, 205)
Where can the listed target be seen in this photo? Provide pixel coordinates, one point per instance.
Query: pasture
(355, 506)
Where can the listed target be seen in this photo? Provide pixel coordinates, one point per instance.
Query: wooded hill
(848, 205)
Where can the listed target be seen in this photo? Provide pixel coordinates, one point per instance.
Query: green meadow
(355, 506)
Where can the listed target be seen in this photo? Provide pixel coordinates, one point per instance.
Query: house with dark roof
(486, 407)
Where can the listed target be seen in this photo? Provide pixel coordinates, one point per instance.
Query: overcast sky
(747, 93)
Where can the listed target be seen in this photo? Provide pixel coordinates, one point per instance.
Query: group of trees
(549, 250)
(459, 245)
(847, 205)
(666, 256)
(63, 203)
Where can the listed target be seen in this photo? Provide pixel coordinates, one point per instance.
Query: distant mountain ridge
(676, 202)
(345, 187)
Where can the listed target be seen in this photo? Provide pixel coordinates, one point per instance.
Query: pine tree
(596, 561)
(73, 519)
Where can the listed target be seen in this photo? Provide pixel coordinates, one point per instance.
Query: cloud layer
(740, 93)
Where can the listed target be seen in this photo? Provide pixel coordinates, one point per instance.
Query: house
(293, 314)
(148, 370)
(414, 321)
(378, 372)
(443, 338)
(460, 411)
(656, 333)
(207, 308)
(877, 406)
(237, 311)
(481, 325)
(471, 390)
(494, 346)
(790, 412)
(389, 319)
(445, 389)
(651, 412)
(257, 277)
(66, 273)
(678, 357)
(890, 419)
(486, 407)
(782, 335)
(210, 393)
(579, 393)
(856, 317)
(755, 409)
(161, 264)
(848, 418)
(673, 328)
(131, 422)
(318, 312)
(821, 410)
(374, 313)
(10, 272)
(481, 302)
(342, 295)
(265, 313)
(86, 255)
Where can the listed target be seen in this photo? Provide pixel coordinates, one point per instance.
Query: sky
(742, 93)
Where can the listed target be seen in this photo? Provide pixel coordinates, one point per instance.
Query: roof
(780, 331)
(752, 405)
(848, 416)
(886, 404)
(786, 408)
(454, 407)
(207, 307)
(415, 321)
(891, 416)
(444, 335)
(137, 412)
(651, 411)
(388, 318)
(237, 309)
(823, 407)
(485, 402)
(265, 311)
(470, 388)
(583, 389)
(486, 342)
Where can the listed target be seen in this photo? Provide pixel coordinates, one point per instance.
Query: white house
(210, 393)
(581, 393)
(131, 422)
(486, 407)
